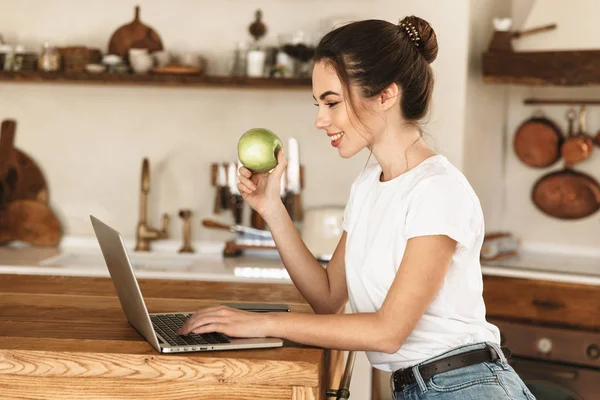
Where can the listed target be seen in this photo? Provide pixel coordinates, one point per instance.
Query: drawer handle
(548, 304)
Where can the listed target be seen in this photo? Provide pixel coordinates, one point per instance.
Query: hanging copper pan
(577, 147)
(567, 194)
(537, 141)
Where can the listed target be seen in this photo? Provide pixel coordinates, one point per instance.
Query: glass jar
(240, 59)
(49, 60)
(6, 54)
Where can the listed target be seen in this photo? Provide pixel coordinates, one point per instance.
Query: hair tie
(411, 31)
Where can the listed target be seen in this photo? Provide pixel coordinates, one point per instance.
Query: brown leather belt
(405, 377)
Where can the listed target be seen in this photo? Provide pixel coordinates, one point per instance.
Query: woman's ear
(389, 97)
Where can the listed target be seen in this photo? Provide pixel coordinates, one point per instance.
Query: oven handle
(564, 374)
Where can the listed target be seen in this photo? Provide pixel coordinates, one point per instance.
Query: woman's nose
(322, 121)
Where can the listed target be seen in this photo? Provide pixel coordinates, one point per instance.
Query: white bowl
(112, 59)
(95, 68)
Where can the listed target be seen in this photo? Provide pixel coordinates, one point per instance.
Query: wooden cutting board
(32, 184)
(20, 176)
(9, 168)
(29, 221)
(134, 35)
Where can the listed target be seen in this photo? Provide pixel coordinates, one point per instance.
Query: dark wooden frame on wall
(563, 68)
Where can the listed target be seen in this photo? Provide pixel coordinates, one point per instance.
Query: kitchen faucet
(144, 234)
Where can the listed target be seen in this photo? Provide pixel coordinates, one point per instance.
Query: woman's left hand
(229, 321)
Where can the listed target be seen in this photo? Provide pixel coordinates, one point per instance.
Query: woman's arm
(419, 278)
(324, 289)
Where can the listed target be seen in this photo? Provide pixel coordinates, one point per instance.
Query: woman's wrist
(274, 212)
(274, 326)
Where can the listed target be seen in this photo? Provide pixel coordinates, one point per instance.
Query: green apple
(258, 148)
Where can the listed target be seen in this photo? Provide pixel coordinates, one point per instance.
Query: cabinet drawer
(558, 303)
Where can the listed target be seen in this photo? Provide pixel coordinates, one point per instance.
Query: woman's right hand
(262, 191)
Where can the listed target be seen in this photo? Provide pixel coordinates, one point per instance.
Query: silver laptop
(159, 329)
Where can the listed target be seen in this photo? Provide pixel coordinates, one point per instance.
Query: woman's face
(335, 115)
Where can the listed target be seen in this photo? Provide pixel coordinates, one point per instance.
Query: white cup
(191, 59)
(133, 52)
(256, 63)
(161, 58)
(141, 63)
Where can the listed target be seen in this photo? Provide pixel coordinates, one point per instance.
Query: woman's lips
(336, 138)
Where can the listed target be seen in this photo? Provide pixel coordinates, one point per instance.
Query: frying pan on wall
(537, 141)
(567, 194)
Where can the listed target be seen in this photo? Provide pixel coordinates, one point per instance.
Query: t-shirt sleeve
(348, 210)
(442, 206)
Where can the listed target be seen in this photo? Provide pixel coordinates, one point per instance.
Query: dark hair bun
(428, 46)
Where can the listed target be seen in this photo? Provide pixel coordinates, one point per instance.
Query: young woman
(408, 259)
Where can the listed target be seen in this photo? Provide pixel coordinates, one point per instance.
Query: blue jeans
(484, 381)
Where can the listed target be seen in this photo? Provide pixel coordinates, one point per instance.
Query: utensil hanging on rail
(577, 147)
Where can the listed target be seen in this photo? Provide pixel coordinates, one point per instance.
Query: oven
(555, 363)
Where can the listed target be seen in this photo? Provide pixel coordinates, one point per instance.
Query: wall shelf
(559, 68)
(561, 102)
(154, 80)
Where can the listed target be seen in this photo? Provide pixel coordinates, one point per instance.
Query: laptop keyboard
(168, 324)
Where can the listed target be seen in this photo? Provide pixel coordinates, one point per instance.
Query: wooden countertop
(67, 337)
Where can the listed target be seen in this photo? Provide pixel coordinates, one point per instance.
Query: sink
(140, 261)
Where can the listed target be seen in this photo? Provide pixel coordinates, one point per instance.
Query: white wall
(577, 24)
(90, 140)
(485, 116)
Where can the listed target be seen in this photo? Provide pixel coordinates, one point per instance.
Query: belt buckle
(399, 387)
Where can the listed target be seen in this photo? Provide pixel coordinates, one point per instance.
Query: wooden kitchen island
(66, 337)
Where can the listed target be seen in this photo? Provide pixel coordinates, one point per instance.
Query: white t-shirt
(433, 198)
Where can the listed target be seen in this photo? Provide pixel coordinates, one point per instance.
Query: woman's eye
(329, 104)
